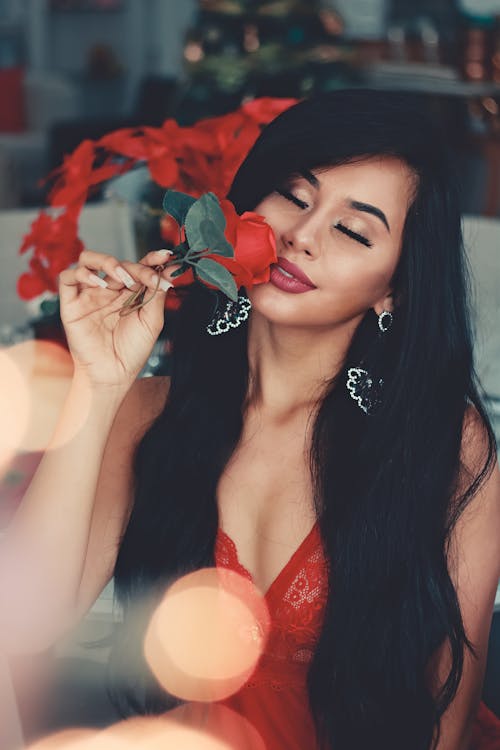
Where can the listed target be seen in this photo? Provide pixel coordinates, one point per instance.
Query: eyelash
(341, 227)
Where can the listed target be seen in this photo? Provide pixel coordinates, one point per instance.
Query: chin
(279, 307)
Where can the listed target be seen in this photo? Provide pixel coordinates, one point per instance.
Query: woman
(341, 422)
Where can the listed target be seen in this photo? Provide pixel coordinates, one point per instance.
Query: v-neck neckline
(273, 585)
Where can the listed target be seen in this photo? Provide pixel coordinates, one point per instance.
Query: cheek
(272, 215)
(356, 274)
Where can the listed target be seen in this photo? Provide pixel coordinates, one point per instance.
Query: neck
(290, 366)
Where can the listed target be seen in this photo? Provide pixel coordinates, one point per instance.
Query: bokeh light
(205, 638)
(14, 408)
(35, 377)
(221, 722)
(157, 733)
(204, 726)
(68, 739)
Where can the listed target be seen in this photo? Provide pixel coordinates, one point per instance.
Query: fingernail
(98, 280)
(125, 277)
(165, 285)
(164, 252)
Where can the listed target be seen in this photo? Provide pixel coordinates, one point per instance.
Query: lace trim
(226, 555)
(296, 609)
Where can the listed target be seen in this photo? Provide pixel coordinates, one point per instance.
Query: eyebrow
(310, 177)
(369, 209)
(357, 205)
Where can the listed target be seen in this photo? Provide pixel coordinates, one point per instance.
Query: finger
(116, 275)
(68, 286)
(124, 273)
(72, 280)
(152, 305)
(155, 257)
(160, 258)
(150, 277)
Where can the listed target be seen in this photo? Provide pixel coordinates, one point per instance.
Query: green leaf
(215, 274)
(200, 234)
(177, 204)
(216, 213)
(215, 239)
(206, 207)
(195, 238)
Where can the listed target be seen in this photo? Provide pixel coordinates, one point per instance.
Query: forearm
(42, 553)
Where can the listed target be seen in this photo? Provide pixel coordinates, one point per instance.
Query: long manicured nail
(125, 277)
(165, 285)
(97, 279)
(164, 252)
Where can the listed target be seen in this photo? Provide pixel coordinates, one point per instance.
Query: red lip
(289, 267)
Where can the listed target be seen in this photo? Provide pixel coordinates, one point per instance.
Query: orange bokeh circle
(205, 638)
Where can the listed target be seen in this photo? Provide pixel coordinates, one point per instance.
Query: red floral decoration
(193, 160)
(56, 245)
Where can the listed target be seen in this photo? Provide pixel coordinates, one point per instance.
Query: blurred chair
(482, 242)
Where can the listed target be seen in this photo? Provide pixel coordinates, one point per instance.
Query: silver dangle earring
(364, 388)
(385, 327)
(230, 316)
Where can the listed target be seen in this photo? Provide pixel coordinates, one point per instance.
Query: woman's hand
(109, 348)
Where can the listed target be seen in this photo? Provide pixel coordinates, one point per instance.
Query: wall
(166, 24)
(146, 36)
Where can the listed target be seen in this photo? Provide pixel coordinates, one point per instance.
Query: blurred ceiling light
(193, 52)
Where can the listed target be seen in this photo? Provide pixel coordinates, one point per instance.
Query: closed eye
(293, 198)
(355, 236)
(341, 227)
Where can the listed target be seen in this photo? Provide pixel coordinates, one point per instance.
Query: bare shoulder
(474, 551)
(474, 455)
(480, 522)
(474, 438)
(474, 564)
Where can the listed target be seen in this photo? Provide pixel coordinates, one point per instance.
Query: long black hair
(385, 484)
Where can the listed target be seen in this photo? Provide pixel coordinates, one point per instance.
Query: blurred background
(71, 69)
(77, 69)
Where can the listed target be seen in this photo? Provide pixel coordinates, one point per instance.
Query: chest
(264, 497)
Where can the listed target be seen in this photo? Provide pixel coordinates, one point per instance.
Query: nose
(302, 237)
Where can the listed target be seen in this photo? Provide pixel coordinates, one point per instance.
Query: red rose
(169, 230)
(254, 246)
(254, 249)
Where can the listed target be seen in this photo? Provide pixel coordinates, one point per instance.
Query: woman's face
(342, 228)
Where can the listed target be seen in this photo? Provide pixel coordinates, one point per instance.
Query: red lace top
(275, 699)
